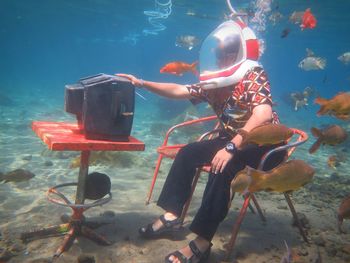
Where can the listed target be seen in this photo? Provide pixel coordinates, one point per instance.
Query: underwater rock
(27, 157)
(159, 128)
(18, 175)
(319, 240)
(57, 154)
(48, 163)
(83, 258)
(6, 255)
(120, 159)
(108, 213)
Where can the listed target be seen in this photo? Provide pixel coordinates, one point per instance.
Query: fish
(18, 175)
(345, 58)
(275, 17)
(343, 212)
(308, 20)
(309, 91)
(266, 134)
(331, 135)
(187, 41)
(178, 68)
(300, 104)
(201, 16)
(296, 17)
(335, 160)
(285, 32)
(311, 62)
(286, 177)
(299, 100)
(338, 106)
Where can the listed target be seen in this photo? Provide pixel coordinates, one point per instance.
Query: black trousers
(214, 206)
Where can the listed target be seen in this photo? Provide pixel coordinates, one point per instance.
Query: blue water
(48, 44)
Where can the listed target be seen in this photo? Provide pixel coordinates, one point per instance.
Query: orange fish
(286, 177)
(343, 212)
(331, 135)
(178, 68)
(308, 20)
(338, 106)
(333, 161)
(266, 134)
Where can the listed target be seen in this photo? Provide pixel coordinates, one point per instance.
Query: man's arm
(169, 90)
(260, 115)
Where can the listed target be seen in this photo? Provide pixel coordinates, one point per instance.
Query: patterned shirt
(234, 104)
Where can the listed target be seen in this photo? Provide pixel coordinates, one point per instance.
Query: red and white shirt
(234, 104)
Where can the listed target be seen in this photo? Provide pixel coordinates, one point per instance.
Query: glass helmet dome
(227, 54)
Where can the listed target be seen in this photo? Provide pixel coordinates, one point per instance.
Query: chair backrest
(290, 146)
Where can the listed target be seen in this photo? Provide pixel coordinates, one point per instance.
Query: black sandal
(197, 254)
(169, 226)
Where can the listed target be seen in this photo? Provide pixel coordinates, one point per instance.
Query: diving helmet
(227, 54)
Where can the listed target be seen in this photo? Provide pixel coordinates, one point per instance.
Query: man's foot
(198, 250)
(165, 224)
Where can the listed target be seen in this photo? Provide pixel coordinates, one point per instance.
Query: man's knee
(186, 152)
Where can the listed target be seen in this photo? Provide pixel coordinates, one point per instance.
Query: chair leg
(155, 174)
(187, 204)
(262, 217)
(295, 216)
(237, 225)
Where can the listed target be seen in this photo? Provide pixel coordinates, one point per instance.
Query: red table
(61, 136)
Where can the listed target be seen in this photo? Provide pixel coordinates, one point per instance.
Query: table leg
(83, 172)
(76, 225)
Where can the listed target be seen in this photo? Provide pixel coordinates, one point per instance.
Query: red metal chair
(290, 147)
(170, 151)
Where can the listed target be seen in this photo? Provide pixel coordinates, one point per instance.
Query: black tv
(104, 106)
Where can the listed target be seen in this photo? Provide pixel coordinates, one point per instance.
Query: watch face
(230, 147)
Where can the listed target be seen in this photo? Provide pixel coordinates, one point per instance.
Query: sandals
(167, 228)
(197, 254)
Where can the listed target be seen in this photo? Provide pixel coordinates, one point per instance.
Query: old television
(103, 105)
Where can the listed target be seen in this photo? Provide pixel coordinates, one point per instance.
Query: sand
(256, 242)
(23, 206)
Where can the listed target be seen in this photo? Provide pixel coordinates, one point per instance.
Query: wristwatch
(231, 148)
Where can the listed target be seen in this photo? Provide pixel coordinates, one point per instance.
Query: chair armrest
(290, 146)
(186, 123)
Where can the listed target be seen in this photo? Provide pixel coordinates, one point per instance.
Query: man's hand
(135, 81)
(220, 160)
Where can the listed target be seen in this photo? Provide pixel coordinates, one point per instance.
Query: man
(236, 87)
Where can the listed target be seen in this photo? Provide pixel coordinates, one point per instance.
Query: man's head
(227, 54)
(227, 51)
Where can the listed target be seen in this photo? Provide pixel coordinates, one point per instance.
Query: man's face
(226, 53)
(226, 59)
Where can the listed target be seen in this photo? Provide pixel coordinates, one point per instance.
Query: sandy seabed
(23, 205)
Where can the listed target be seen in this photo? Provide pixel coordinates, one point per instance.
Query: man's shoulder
(255, 71)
